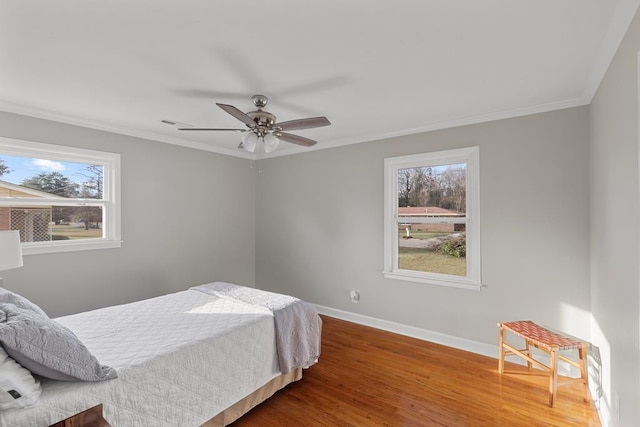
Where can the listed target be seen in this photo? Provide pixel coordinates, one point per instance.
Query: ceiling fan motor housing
(263, 119)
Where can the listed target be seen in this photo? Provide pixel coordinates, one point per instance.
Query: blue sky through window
(22, 168)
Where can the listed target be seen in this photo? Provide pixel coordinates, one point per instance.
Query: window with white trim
(60, 198)
(432, 218)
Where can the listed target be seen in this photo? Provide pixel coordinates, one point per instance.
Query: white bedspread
(298, 325)
(231, 352)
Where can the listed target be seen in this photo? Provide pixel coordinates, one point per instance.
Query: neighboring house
(430, 211)
(32, 221)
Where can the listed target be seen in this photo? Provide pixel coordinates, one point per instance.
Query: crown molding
(92, 124)
(450, 123)
(444, 124)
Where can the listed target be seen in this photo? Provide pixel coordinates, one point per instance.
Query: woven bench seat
(549, 342)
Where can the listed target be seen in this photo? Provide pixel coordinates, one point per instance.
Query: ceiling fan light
(249, 141)
(270, 142)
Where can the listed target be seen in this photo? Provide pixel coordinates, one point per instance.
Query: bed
(199, 357)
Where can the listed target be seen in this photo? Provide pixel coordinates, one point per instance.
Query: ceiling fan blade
(174, 123)
(311, 122)
(296, 139)
(238, 114)
(234, 130)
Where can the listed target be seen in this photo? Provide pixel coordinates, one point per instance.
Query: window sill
(407, 275)
(54, 247)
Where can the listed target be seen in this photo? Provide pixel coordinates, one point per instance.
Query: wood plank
(92, 417)
(369, 377)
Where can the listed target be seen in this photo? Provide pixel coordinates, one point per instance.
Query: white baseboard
(484, 349)
(414, 332)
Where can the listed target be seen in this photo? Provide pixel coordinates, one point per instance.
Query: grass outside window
(74, 232)
(417, 259)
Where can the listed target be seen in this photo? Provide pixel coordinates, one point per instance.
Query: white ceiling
(374, 68)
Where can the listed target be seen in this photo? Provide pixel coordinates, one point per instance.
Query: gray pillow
(44, 346)
(19, 301)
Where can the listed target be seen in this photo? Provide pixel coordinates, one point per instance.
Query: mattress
(181, 359)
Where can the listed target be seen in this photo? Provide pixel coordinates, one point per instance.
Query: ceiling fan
(263, 132)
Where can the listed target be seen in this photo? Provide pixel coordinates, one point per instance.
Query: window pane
(433, 248)
(428, 216)
(28, 177)
(436, 191)
(43, 224)
(60, 198)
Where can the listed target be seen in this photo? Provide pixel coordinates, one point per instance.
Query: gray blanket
(297, 323)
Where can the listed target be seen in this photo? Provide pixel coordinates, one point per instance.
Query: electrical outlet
(355, 296)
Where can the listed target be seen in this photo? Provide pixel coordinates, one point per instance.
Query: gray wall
(188, 218)
(559, 218)
(319, 228)
(615, 281)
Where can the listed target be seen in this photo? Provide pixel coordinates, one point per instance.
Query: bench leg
(582, 353)
(501, 359)
(553, 377)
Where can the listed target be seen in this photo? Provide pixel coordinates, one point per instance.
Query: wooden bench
(551, 342)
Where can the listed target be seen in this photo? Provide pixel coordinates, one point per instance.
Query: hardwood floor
(369, 377)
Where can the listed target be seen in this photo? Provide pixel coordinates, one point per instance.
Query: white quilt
(298, 326)
(230, 352)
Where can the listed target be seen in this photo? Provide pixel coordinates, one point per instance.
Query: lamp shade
(249, 141)
(10, 250)
(270, 142)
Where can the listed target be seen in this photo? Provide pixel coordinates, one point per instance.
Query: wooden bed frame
(92, 417)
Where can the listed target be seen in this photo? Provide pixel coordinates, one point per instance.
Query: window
(59, 198)
(432, 227)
